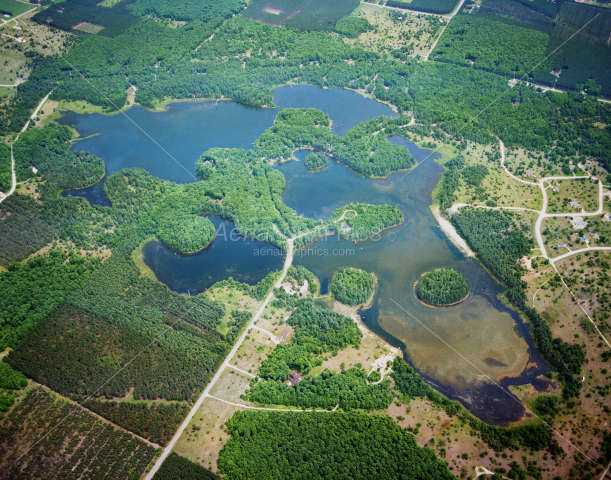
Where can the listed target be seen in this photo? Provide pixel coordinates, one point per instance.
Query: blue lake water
(454, 348)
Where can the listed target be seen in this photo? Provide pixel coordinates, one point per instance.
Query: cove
(229, 255)
(187, 129)
(454, 348)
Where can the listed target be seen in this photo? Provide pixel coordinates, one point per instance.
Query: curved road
(3, 196)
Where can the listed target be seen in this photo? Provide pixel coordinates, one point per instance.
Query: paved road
(206, 392)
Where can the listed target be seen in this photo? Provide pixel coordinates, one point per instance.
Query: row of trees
(175, 467)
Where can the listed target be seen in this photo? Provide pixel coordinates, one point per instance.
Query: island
(352, 286)
(443, 287)
(316, 161)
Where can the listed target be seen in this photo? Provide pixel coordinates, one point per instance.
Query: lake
(456, 348)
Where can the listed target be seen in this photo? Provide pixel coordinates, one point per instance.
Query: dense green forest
(301, 14)
(186, 234)
(29, 291)
(366, 221)
(5, 168)
(498, 47)
(10, 381)
(428, 6)
(116, 314)
(96, 450)
(279, 445)
(499, 244)
(352, 286)
(443, 286)
(156, 422)
(348, 389)
(175, 467)
(315, 161)
(22, 230)
(48, 150)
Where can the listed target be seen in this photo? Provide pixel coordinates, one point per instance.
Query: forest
(482, 43)
(176, 467)
(429, 6)
(29, 291)
(492, 234)
(365, 220)
(48, 150)
(352, 286)
(291, 445)
(96, 450)
(316, 331)
(23, 232)
(443, 286)
(315, 161)
(156, 422)
(301, 14)
(188, 234)
(5, 168)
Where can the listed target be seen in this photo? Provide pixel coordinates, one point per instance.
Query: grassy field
(394, 30)
(13, 7)
(496, 187)
(583, 191)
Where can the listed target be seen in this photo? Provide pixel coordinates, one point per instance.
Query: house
(294, 379)
(574, 205)
(588, 165)
(522, 261)
(284, 336)
(579, 224)
(572, 167)
(560, 245)
(531, 174)
(595, 236)
(555, 189)
(6, 15)
(583, 239)
(346, 228)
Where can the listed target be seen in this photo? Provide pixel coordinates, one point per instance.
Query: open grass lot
(205, 436)
(520, 162)
(496, 189)
(397, 32)
(13, 7)
(584, 191)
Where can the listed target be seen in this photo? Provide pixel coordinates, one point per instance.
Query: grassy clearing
(497, 189)
(583, 191)
(390, 33)
(138, 259)
(205, 436)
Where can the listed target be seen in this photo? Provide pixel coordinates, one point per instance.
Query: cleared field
(87, 27)
(396, 33)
